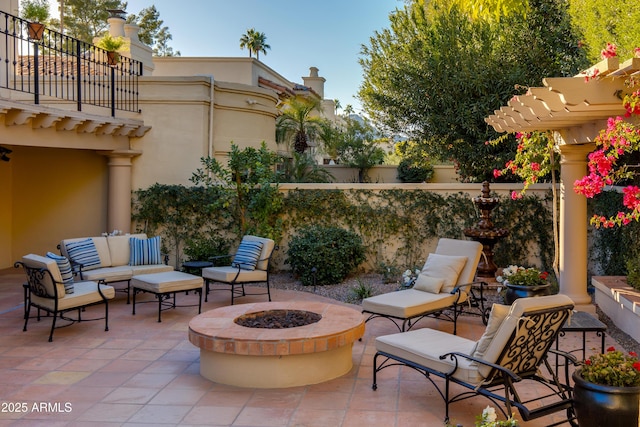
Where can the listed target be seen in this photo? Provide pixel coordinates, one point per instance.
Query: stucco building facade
(71, 173)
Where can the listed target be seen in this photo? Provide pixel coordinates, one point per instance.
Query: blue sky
(326, 34)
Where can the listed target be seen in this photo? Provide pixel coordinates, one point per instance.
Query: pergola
(575, 109)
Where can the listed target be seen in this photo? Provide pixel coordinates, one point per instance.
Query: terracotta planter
(600, 405)
(520, 291)
(113, 58)
(35, 30)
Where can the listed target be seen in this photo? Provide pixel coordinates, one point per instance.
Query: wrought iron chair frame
(451, 312)
(240, 292)
(517, 363)
(35, 286)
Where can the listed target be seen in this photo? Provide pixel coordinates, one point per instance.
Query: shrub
(333, 251)
(361, 291)
(203, 248)
(408, 171)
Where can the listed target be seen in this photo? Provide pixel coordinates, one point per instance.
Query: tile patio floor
(143, 373)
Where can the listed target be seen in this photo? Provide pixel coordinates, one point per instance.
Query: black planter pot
(600, 405)
(520, 291)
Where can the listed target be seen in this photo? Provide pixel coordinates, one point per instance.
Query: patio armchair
(511, 355)
(46, 291)
(442, 289)
(250, 264)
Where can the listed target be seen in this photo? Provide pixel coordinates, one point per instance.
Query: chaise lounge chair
(444, 283)
(510, 357)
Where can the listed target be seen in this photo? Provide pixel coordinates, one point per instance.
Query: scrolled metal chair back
(534, 335)
(40, 281)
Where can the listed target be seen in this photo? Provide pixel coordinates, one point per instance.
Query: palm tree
(296, 124)
(246, 41)
(259, 44)
(303, 168)
(255, 41)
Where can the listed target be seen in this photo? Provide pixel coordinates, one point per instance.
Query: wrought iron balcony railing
(62, 67)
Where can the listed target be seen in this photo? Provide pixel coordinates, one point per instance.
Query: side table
(581, 321)
(584, 322)
(195, 267)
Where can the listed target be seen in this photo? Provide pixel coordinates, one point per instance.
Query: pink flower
(535, 166)
(515, 195)
(609, 51)
(497, 173)
(630, 197)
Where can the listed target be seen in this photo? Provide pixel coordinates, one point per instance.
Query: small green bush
(633, 272)
(333, 251)
(361, 291)
(408, 171)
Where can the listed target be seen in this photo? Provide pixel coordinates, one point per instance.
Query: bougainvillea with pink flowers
(605, 163)
(534, 159)
(535, 154)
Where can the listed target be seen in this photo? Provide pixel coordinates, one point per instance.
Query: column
(573, 224)
(119, 197)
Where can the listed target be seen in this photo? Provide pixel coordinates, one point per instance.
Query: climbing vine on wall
(398, 226)
(612, 248)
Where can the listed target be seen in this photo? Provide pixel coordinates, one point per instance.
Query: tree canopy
(607, 21)
(435, 74)
(255, 42)
(297, 125)
(86, 19)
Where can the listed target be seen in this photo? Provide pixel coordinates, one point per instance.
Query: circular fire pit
(262, 357)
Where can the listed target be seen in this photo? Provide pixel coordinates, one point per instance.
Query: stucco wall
(56, 194)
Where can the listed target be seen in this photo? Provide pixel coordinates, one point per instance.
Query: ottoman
(164, 286)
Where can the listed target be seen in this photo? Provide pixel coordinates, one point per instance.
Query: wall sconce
(4, 154)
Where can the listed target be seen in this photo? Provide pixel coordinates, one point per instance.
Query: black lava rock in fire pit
(278, 319)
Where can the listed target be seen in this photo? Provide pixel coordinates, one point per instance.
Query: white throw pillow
(444, 266)
(428, 284)
(498, 313)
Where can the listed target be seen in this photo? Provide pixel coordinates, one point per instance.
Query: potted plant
(112, 45)
(37, 13)
(521, 282)
(607, 390)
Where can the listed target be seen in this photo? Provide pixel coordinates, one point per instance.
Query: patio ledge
(620, 302)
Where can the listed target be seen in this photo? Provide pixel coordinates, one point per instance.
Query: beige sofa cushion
(103, 251)
(119, 248)
(85, 254)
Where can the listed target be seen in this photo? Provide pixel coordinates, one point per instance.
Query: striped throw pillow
(65, 271)
(247, 255)
(84, 252)
(145, 251)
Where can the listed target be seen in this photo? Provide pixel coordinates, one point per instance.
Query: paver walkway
(144, 373)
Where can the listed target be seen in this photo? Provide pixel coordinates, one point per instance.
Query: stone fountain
(485, 232)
